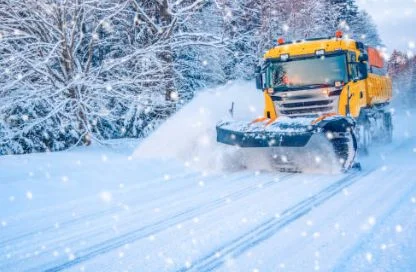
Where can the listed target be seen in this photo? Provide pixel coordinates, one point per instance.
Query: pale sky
(396, 21)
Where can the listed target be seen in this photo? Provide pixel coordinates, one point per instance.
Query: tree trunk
(167, 54)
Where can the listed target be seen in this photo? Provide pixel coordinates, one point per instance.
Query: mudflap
(294, 145)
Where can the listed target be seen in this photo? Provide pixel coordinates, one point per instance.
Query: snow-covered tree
(357, 24)
(76, 70)
(402, 70)
(80, 69)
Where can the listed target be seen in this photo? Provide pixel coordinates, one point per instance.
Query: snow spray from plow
(190, 135)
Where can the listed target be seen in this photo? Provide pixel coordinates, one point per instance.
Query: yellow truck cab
(320, 95)
(325, 77)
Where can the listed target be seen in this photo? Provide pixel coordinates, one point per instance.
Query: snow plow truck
(326, 100)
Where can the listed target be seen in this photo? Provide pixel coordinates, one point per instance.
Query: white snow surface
(116, 207)
(190, 134)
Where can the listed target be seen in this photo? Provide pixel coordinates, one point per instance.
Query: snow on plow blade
(257, 135)
(297, 142)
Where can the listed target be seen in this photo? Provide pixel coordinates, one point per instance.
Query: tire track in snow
(146, 231)
(104, 228)
(81, 218)
(273, 225)
(365, 238)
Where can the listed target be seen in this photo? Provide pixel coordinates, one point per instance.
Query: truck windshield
(306, 72)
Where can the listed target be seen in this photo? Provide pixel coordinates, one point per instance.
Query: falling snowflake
(29, 195)
(399, 228)
(104, 158)
(345, 192)
(106, 196)
(371, 221)
(169, 261)
(369, 257)
(285, 28)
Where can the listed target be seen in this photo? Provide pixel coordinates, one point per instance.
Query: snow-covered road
(116, 208)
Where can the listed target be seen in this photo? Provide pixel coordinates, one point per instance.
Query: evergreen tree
(355, 23)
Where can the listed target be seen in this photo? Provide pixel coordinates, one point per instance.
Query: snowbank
(190, 134)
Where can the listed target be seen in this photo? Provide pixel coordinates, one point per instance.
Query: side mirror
(363, 57)
(362, 68)
(259, 78)
(259, 81)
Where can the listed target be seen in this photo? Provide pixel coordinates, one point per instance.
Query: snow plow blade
(294, 144)
(262, 138)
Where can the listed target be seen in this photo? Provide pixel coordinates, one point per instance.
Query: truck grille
(307, 111)
(305, 103)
